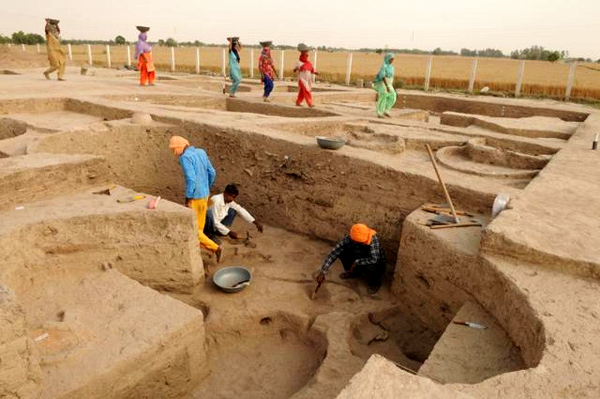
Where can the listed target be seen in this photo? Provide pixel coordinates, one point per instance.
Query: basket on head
(266, 44)
(143, 29)
(303, 47)
(52, 21)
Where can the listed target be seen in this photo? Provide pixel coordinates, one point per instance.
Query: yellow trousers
(200, 206)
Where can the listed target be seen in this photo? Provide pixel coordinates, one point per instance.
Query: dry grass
(449, 72)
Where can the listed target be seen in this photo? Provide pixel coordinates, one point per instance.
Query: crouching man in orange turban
(361, 255)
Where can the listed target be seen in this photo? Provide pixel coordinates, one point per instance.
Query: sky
(571, 25)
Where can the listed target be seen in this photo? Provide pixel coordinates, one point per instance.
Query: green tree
(161, 42)
(171, 42)
(554, 56)
(120, 40)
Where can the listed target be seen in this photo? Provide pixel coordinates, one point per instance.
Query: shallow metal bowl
(232, 279)
(330, 143)
(143, 29)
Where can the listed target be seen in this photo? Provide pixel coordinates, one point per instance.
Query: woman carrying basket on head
(143, 53)
(267, 69)
(305, 71)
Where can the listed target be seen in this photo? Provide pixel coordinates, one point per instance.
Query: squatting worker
(361, 255)
(56, 55)
(384, 85)
(222, 212)
(143, 53)
(199, 176)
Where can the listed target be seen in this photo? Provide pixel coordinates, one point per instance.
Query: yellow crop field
(448, 72)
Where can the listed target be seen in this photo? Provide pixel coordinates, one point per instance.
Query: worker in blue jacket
(199, 176)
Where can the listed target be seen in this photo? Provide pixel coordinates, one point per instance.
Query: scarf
(387, 69)
(306, 65)
(142, 46)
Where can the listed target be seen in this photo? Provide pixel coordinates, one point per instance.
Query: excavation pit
(126, 289)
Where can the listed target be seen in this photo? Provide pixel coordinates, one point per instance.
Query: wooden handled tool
(437, 172)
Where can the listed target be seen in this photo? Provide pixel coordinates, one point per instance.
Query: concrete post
(349, 68)
(315, 66)
(23, 46)
(570, 81)
(108, 62)
(223, 58)
(172, 59)
(282, 64)
(473, 74)
(428, 73)
(70, 49)
(197, 60)
(251, 63)
(9, 45)
(520, 74)
(128, 55)
(90, 55)
(38, 47)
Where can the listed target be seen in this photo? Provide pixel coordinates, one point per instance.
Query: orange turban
(362, 234)
(178, 144)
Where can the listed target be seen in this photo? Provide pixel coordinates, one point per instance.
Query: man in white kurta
(222, 212)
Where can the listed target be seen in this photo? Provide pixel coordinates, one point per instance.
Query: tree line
(538, 53)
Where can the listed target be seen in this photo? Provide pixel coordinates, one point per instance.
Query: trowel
(471, 324)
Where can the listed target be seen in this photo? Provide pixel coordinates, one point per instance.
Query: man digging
(221, 214)
(361, 255)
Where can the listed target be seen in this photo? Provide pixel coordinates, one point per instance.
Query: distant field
(449, 72)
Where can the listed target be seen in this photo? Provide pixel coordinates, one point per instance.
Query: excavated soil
(140, 274)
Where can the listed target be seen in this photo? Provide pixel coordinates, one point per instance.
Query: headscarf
(178, 144)
(265, 62)
(233, 46)
(142, 46)
(52, 29)
(306, 65)
(387, 69)
(361, 234)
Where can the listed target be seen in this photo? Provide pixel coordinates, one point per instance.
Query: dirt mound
(15, 58)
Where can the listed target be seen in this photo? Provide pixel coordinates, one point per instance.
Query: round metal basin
(232, 279)
(330, 143)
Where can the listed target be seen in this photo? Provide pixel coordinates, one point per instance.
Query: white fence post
(198, 60)
(473, 75)
(570, 81)
(90, 55)
(70, 52)
(315, 66)
(128, 55)
(38, 47)
(172, 59)
(23, 46)
(349, 68)
(108, 62)
(428, 73)
(251, 63)
(282, 64)
(9, 45)
(520, 74)
(223, 68)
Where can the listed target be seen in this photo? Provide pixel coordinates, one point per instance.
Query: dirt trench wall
(440, 104)
(443, 269)
(124, 241)
(297, 187)
(41, 177)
